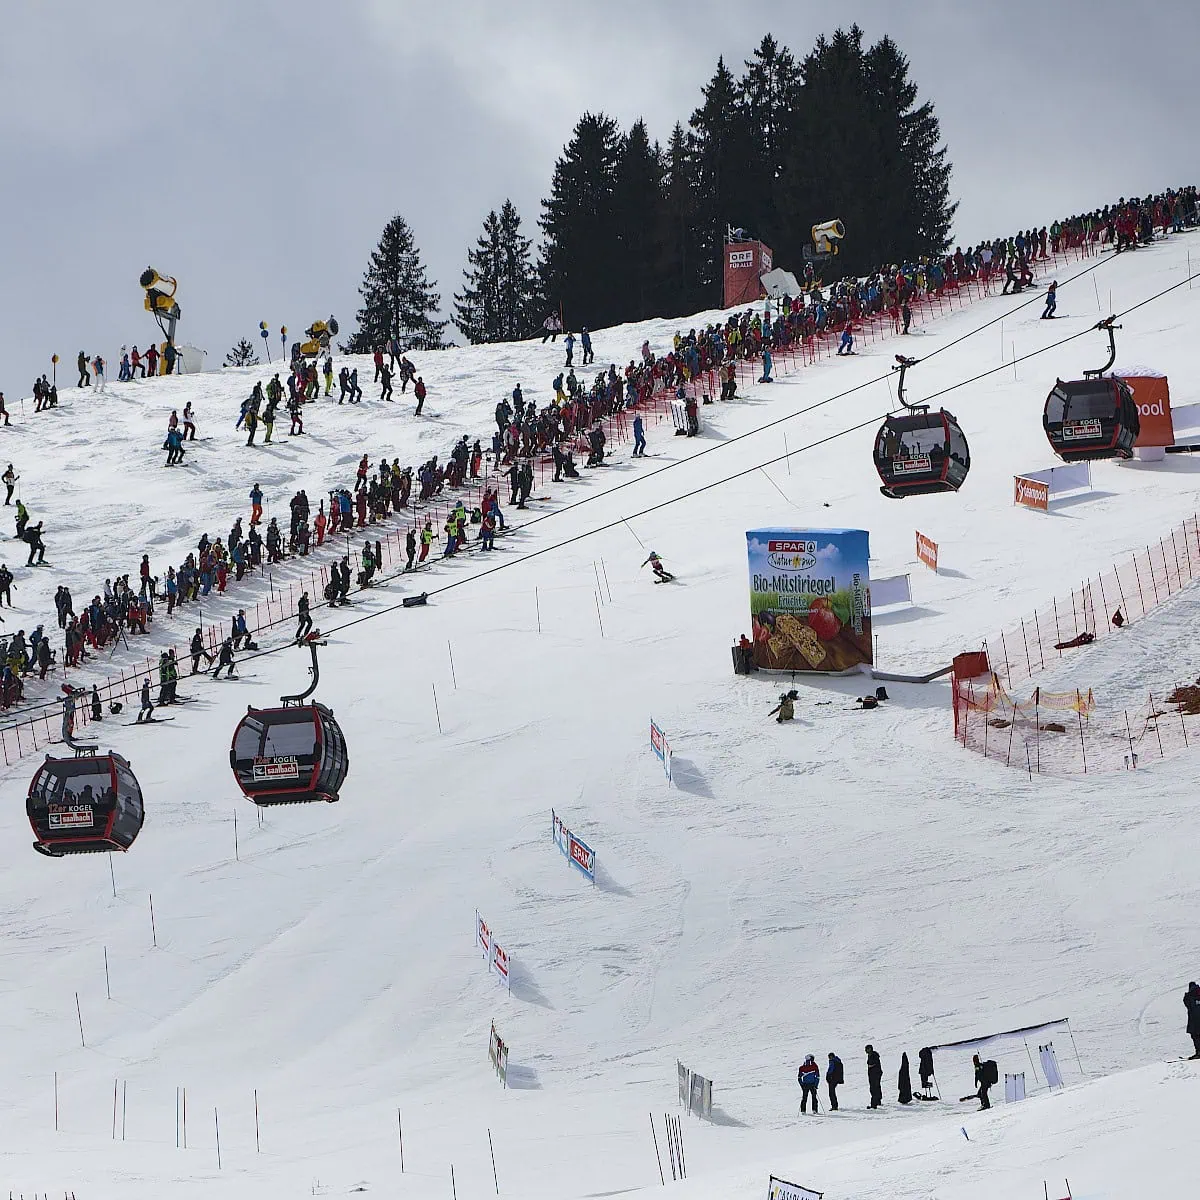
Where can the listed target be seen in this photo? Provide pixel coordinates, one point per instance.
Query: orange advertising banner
(927, 551)
(1153, 399)
(1032, 493)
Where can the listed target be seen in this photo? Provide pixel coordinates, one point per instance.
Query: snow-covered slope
(855, 877)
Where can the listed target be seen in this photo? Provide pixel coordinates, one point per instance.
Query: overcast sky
(255, 148)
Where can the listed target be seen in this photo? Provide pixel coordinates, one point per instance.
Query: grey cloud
(256, 149)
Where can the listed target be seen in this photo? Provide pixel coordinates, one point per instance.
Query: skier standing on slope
(146, 712)
(585, 341)
(639, 437)
(9, 478)
(1051, 301)
(1191, 1001)
(420, 393)
(85, 379)
(874, 1077)
(809, 1078)
(305, 623)
(225, 661)
(33, 537)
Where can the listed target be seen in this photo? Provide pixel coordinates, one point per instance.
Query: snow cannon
(160, 302)
(318, 336)
(825, 238)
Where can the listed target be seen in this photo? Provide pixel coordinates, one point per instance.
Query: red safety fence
(42, 729)
(1073, 733)
(1132, 587)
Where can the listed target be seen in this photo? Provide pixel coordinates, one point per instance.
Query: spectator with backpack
(987, 1075)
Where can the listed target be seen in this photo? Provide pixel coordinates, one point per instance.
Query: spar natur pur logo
(792, 556)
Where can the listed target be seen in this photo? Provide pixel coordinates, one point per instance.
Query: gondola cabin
(291, 755)
(1091, 418)
(84, 805)
(919, 452)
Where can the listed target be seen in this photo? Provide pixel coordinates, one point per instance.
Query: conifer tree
(398, 300)
(639, 180)
(497, 300)
(678, 261)
(577, 269)
(723, 152)
(243, 354)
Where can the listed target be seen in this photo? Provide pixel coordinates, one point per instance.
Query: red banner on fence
(1032, 493)
(927, 551)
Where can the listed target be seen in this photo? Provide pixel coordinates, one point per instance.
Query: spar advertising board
(810, 599)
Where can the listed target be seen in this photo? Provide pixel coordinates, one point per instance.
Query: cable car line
(731, 441)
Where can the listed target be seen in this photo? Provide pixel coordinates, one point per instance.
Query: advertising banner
(500, 963)
(578, 853)
(483, 937)
(1152, 396)
(927, 551)
(1032, 493)
(745, 264)
(498, 1054)
(71, 816)
(661, 747)
(810, 599)
(780, 1189)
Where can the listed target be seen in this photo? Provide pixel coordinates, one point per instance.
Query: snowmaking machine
(824, 240)
(318, 336)
(160, 302)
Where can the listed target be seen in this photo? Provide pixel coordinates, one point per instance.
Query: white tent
(779, 283)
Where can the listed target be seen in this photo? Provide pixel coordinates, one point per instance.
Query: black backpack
(991, 1073)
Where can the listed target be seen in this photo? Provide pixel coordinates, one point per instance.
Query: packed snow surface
(854, 877)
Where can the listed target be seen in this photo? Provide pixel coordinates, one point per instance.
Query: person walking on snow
(98, 370)
(986, 1075)
(197, 651)
(809, 1078)
(420, 393)
(256, 499)
(1191, 1001)
(585, 341)
(10, 478)
(85, 380)
(834, 1077)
